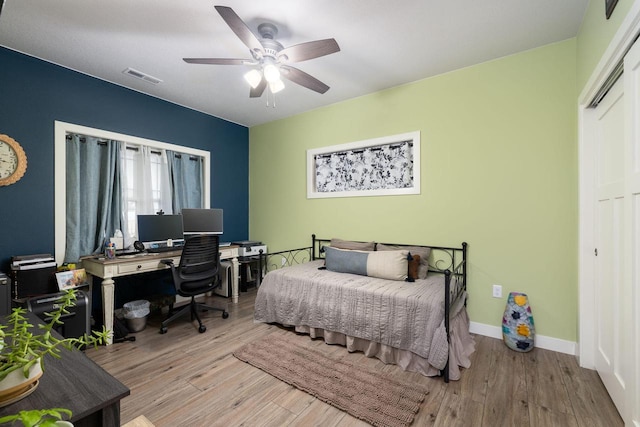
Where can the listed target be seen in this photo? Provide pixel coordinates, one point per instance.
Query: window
(139, 198)
(133, 162)
(146, 186)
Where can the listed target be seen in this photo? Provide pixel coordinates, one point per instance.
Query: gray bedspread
(404, 315)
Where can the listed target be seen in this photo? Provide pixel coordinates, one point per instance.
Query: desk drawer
(227, 253)
(138, 266)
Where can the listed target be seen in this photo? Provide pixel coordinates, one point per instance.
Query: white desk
(109, 269)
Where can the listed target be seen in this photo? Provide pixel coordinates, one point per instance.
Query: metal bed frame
(449, 261)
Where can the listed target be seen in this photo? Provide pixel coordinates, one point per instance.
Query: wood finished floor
(184, 378)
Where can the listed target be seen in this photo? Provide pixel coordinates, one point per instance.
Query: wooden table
(77, 383)
(108, 269)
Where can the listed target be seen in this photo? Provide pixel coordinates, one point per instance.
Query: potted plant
(40, 418)
(23, 347)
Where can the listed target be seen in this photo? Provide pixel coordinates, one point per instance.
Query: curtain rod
(83, 139)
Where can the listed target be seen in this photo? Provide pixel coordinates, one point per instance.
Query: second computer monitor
(202, 221)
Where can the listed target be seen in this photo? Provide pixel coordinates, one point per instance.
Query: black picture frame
(609, 6)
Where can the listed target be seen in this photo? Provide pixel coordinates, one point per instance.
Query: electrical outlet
(497, 291)
(284, 261)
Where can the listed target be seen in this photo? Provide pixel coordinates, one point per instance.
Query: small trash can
(135, 313)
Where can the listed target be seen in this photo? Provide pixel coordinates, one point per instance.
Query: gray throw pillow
(391, 265)
(351, 245)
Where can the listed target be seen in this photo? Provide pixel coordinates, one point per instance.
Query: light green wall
(499, 170)
(595, 35)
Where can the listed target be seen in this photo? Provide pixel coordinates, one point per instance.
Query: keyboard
(126, 253)
(163, 249)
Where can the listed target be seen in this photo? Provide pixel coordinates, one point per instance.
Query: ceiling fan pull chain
(272, 95)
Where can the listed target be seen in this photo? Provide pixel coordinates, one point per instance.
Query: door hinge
(596, 251)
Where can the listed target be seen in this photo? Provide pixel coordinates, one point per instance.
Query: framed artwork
(609, 6)
(71, 279)
(375, 167)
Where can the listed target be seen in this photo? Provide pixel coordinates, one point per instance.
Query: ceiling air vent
(143, 76)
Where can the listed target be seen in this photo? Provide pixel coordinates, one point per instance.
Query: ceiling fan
(270, 59)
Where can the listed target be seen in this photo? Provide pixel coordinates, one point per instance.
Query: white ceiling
(383, 43)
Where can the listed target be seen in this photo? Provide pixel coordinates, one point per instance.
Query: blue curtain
(185, 172)
(94, 194)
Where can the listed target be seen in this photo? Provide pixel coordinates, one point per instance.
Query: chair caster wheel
(202, 328)
(225, 314)
(163, 330)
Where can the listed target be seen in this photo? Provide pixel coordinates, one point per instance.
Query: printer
(32, 275)
(249, 248)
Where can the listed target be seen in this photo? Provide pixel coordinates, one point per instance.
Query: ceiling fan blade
(257, 92)
(216, 61)
(304, 79)
(238, 26)
(309, 50)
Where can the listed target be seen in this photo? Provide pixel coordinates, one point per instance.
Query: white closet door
(612, 291)
(632, 179)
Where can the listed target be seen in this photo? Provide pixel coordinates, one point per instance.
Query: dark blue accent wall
(34, 94)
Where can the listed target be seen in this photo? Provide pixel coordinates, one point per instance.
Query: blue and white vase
(518, 330)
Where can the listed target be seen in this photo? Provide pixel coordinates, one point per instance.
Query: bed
(418, 322)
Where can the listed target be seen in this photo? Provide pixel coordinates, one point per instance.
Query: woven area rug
(367, 394)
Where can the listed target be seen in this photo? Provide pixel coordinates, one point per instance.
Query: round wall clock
(13, 161)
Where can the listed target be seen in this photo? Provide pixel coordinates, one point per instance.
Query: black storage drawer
(32, 282)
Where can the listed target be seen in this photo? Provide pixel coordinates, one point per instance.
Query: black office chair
(197, 273)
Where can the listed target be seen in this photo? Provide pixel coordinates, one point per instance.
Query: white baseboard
(541, 341)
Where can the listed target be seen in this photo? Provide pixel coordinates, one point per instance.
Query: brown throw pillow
(414, 265)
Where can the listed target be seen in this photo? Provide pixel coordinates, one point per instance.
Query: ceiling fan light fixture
(253, 77)
(271, 73)
(276, 86)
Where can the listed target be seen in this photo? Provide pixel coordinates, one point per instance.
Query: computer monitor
(202, 221)
(156, 230)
